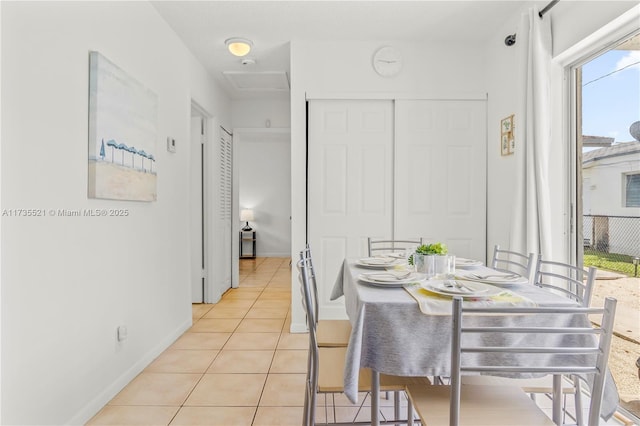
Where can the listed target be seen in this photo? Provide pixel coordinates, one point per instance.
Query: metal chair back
(497, 354)
(514, 262)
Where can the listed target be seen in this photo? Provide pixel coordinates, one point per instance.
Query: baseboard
(298, 327)
(96, 404)
(287, 254)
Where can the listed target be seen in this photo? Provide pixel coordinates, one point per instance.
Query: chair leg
(409, 413)
(306, 421)
(578, 401)
(396, 406)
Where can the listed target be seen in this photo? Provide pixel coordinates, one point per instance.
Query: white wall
(328, 69)
(262, 156)
(254, 113)
(573, 21)
(264, 169)
(68, 282)
(607, 185)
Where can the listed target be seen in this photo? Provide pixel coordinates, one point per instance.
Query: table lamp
(246, 215)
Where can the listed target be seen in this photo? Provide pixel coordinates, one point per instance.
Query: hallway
(237, 365)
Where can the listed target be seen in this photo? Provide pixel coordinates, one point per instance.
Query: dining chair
(325, 365)
(476, 405)
(565, 279)
(331, 333)
(575, 284)
(512, 261)
(379, 246)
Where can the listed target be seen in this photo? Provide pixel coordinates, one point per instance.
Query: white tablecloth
(391, 335)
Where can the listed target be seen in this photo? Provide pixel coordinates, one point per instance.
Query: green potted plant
(433, 249)
(425, 258)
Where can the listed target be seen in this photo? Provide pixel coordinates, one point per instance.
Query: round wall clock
(387, 61)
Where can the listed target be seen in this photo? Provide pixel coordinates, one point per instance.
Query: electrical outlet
(171, 144)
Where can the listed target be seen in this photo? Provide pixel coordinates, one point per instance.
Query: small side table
(247, 237)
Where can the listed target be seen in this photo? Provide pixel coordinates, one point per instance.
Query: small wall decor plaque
(507, 139)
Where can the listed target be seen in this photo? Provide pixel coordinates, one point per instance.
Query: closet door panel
(440, 179)
(350, 164)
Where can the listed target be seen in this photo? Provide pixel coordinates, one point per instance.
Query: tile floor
(237, 365)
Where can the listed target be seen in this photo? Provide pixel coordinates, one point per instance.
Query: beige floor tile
(227, 390)
(221, 312)
(278, 416)
(252, 341)
(276, 289)
(287, 323)
(341, 400)
(133, 415)
(199, 309)
(253, 284)
(276, 295)
(182, 361)
(284, 390)
(215, 325)
(289, 361)
(262, 325)
(201, 341)
(242, 362)
(272, 304)
(281, 278)
(267, 313)
(283, 284)
(241, 293)
(157, 389)
(293, 341)
(237, 303)
(215, 416)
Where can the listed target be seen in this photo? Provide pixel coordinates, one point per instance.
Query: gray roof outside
(619, 149)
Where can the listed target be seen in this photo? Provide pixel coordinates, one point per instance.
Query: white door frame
(210, 294)
(618, 29)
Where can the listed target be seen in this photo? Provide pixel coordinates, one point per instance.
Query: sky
(611, 99)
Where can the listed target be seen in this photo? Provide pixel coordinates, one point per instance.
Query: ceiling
(271, 25)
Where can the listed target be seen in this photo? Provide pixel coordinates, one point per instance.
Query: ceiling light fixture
(238, 46)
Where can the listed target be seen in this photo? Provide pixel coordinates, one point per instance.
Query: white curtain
(531, 224)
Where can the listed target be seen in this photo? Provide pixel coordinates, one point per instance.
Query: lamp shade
(239, 46)
(246, 215)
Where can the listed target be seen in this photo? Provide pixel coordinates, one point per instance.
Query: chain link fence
(612, 242)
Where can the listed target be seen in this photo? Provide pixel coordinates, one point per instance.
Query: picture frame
(122, 134)
(507, 138)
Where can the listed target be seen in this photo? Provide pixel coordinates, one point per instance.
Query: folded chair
(511, 261)
(477, 405)
(331, 333)
(384, 246)
(325, 366)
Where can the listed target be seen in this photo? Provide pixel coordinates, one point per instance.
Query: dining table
(402, 330)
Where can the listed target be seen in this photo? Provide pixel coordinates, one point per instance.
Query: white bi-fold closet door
(441, 173)
(393, 169)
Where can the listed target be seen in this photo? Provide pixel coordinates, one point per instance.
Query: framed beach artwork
(507, 139)
(122, 134)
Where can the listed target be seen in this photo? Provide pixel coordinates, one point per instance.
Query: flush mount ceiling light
(238, 46)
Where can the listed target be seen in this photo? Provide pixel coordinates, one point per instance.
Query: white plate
(386, 280)
(379, 262)
(461, 262)
(493, 278)
(466, 289)
(399, 255)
